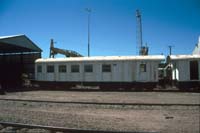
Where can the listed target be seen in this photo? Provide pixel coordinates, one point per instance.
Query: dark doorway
(194, 70)
(10, 72)
(13, 66)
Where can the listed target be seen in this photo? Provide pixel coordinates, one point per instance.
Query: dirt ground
(164, 119)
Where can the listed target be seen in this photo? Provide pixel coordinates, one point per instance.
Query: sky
(113, 25)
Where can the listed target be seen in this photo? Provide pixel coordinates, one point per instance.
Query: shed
(186, 68)
(17, 56)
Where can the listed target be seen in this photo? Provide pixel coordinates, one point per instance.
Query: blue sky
(113, 24)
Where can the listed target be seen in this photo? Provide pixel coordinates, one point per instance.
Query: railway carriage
(185, 70)
(108, 72)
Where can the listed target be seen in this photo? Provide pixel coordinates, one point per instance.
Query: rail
(61, 129)
(102, 103)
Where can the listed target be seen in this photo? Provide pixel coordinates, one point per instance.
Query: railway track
(53, 129)
(100, 103)
(18, 127)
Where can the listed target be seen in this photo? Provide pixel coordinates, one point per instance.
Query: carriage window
(50, 68)
(75, 68)
(62, 68)
(88, 68)
(39, 68)
(143, 68)
(106, 68)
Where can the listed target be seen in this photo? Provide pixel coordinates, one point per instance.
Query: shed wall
(183, 68)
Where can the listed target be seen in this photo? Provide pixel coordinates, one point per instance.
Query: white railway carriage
(106, 71)
(185, 70)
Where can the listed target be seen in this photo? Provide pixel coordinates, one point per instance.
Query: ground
(166, 119)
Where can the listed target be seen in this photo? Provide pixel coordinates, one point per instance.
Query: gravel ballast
(176, 119)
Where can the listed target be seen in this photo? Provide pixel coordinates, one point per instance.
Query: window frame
(106, 68)
(73, 67)
(88, 67)
(143, 67)
(61, 68)
(49, 70)
(39, 68)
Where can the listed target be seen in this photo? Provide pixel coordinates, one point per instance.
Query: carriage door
(194, 71)
(143, 72)
(115, 72)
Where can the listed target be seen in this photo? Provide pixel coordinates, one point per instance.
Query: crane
(143, 50)
(67, 53)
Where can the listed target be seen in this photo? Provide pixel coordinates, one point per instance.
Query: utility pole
(170, 50)
(171, 67)
(88, 10)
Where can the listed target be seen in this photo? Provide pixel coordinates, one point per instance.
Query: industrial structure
(67, 53)
(20, 57)
(185, 69)
(143, 50)
(17, 56)
(182, 71)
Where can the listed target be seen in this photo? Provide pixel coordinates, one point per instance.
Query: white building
(186, 68)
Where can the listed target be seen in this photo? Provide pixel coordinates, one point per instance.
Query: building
(17, 56)
(185, 70)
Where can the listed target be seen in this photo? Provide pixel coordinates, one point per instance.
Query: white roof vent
(199, 40)
(196, 50)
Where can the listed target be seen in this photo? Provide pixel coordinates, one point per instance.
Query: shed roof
(184, 57)
(102, 58)
(17, 44)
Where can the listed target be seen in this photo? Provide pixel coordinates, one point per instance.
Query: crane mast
(143, 50)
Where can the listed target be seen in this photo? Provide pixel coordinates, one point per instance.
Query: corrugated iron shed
(17, 56)
(17, 44)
